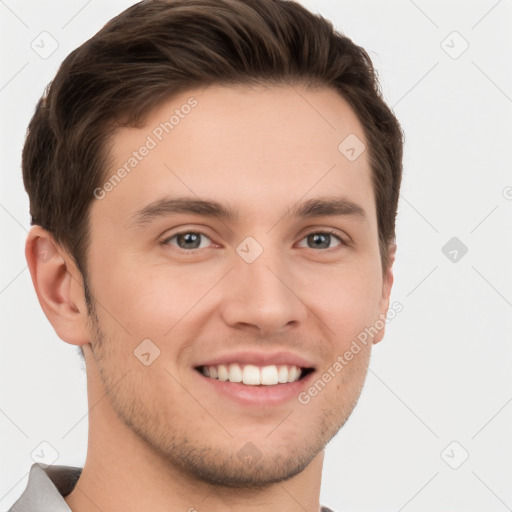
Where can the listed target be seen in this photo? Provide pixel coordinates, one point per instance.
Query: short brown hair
(160, 48)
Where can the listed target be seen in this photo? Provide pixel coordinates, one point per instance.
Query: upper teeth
(253, 375)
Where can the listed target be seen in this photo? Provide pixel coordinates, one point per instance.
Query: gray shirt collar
(46, 488)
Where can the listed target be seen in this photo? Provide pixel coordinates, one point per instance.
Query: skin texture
(159, 437)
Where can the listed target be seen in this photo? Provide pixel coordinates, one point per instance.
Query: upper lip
(259, 359)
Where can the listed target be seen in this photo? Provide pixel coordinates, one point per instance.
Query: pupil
(316, 239)
(188, 238)
(320, 239)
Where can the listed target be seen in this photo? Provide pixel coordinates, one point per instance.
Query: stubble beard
(199, 459)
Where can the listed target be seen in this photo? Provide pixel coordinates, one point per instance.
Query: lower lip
(258, 395)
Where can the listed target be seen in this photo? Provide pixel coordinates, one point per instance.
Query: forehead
(264, 148)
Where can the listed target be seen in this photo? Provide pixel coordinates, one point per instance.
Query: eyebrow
(319, 207)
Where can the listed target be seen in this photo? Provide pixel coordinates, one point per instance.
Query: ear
(387, 284)
(59, 286)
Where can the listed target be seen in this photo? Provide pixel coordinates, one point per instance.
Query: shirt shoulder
(46, 488)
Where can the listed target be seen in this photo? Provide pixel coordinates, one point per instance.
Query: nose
(260, 296)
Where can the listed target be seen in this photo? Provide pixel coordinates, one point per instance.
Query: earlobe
(58, 285)
(387, 284)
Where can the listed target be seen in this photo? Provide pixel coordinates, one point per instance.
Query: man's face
(268, 287)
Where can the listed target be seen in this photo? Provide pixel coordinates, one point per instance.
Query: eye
(187, 240)
(322, 239)
(191, 240)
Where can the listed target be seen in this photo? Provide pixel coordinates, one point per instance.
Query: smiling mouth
(253, 375)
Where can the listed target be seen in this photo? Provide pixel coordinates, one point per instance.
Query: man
(213, 189)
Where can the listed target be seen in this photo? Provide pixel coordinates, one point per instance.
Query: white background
(443, 371)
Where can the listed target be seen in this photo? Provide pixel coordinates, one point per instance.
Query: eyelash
(323, 232)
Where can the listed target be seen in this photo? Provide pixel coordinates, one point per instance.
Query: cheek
(349, 300)
(147, 300)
